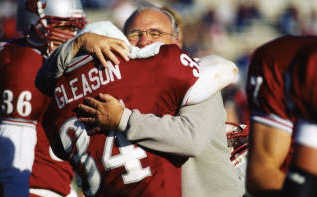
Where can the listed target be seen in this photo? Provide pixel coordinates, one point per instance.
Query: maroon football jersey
(22, 102)
(301, 93)
(108, 163)
(265, 83)
(301, 84)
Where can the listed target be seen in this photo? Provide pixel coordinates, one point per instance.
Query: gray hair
(146, 6)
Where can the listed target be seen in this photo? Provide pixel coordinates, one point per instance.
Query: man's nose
(144, 40)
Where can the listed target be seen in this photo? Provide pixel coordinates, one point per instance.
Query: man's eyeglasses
(153, 33)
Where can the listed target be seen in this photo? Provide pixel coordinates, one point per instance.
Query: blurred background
(230, 28)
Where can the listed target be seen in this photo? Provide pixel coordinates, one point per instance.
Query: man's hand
(103, 113)
(102, 47)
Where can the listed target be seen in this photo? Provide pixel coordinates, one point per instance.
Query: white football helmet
(39, 17)
(237, 136)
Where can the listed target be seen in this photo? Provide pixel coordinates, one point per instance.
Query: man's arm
(268, 149)
(186, 134)
(103, 47)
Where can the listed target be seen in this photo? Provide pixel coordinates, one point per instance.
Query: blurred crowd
(230, 28)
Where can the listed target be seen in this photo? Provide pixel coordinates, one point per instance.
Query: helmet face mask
(58, 29)
(49, 23)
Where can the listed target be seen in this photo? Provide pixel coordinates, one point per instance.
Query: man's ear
(179, 41)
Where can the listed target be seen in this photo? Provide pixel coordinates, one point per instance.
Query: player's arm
(268, 149)
(103, 47)
(186, 134)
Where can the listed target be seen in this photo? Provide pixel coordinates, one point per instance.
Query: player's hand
(103, 113)
(102, 47)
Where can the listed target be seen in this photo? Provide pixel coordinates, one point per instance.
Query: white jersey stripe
(44, 192)
(18, 121)
(273, 121)
(78, 62)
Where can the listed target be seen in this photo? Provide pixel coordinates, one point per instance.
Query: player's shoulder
(171, 53)
(80, 61)
(285, 42)
(303, 65)
(170, 49)
(301, 83)
(307, 51)
(304, 60)
(273, 45)
(17, 52)
(7, 46)
(13, 43)
(17, 48)
(277, 54)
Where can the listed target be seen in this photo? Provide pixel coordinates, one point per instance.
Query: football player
(109, 164)
(271, 124)
(301, 91)
(24, 147)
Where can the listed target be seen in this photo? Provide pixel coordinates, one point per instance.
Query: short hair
(178, 21)
(164, 9)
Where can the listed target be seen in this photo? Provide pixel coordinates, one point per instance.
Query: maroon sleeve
(302, 84)
(265, 83)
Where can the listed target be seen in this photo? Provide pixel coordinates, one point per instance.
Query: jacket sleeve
(54, 67)
(186, 134)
